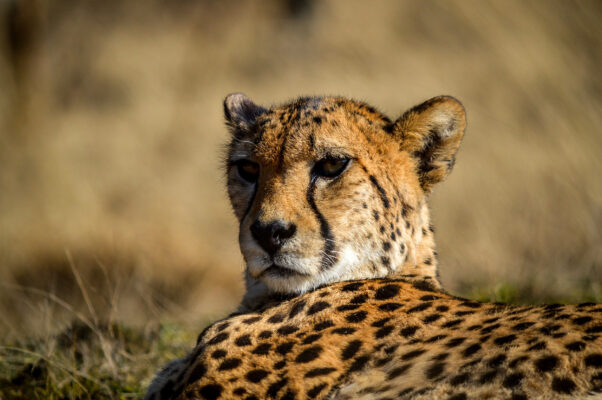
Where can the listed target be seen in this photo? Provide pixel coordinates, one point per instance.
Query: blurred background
(112, 193)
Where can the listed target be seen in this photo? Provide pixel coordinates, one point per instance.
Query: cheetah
(343, 299)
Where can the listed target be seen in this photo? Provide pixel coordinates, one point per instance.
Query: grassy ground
(111, 139)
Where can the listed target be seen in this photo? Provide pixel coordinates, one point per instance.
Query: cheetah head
(328, 189)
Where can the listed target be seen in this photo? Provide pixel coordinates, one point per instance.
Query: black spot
(435, 338)
(297, 308)
(594, 329)
(398, 371)
(518, 361)
(453, 323)
(497, 360)
(575, 346)
(314, 391)
(359, 299)
(285, 348)
(582, 320)
(500, 341)
(323, 325)
(381, 322)
(455, 342)
(594, 360)
(375, 214)
(435, 370)
(412, 354)
(563, 385)
(319, 372)
(474, 327)
(309, 354)
(459, 396)
(409, 331)
(312, 338)
(251, 320)
(384, 331)
(280, 364)
(265, 334)
(274, 319)
(358, 363)
(393, 236)
(549, 329)
(513, 380)
(256, 375)
(218, 338)
(317, 307)
(244, 340)
(386, 246)
(352, 287)
(441, 357)
(211, 392)
(217, 354)
(490, 328)
(546, 364)
(386, 292)
(229, 363)
(522, 326)
(470, 350)
(431, 318)
(351, 349)
(518, 396)
(391, 349)
(463, 313)
(471, 304)
(343, 331)
(348, 307)
(386, 261)
(262, 349)
(459, 379)
(239, 391)
(317, 120)
(275, 387)
(538, 346)
(389, 306)
(358, 316)
(420, 307)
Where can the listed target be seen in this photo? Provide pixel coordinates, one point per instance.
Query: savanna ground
(116, 239)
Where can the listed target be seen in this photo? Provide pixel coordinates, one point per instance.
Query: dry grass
(111, 135)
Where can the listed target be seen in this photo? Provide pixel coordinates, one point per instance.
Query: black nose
(271, 236)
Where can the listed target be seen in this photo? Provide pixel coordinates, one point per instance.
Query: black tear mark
(329, 257)
(381, 191)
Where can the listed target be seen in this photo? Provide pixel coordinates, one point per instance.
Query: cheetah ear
(241, 112)
(431, 132)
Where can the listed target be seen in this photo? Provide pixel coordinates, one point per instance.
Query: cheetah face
(329, 189)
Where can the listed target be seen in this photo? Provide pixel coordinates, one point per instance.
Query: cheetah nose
(272, 235)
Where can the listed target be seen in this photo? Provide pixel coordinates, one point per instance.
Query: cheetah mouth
(280, 271)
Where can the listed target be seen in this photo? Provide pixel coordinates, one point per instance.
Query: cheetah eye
(248, 170)
(330, 167)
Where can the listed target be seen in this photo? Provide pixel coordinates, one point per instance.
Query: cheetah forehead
(306, 123)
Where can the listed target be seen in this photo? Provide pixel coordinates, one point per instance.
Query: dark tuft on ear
(241, 112)
(431, 132)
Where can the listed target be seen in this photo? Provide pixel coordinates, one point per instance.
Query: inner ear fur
(241, 113)
(431, 132)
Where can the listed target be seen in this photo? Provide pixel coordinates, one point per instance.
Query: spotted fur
(318, 319)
